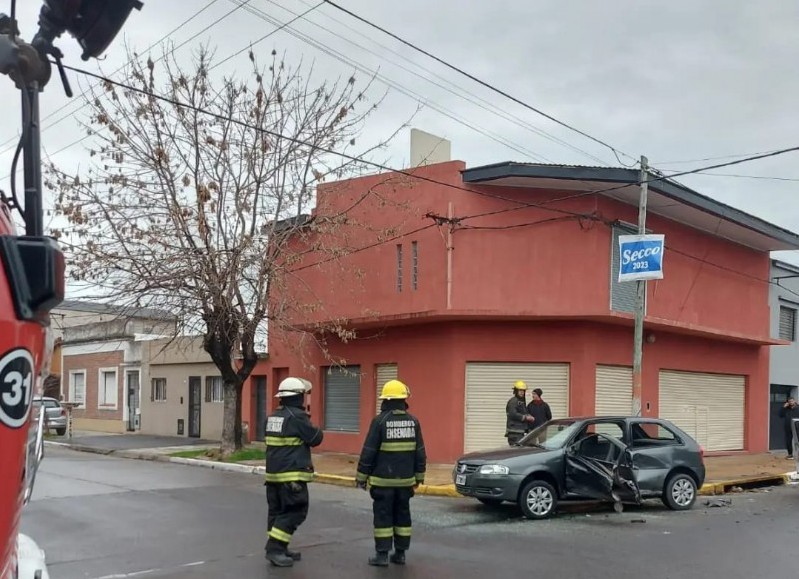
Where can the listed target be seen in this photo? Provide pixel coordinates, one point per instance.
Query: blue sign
(641, 257)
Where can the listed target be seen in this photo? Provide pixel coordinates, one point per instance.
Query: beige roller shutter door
(383, 373)
(709, 407)
(614, 391)
(488, 389)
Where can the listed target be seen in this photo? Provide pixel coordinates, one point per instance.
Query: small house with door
(183, 390)
(460, 281)
(101, 369)
(784, 367)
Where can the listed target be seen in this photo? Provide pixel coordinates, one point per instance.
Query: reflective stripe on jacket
(393, 453)
(289, 438)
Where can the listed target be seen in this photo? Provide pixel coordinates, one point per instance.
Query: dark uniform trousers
(514, 437)
(288, 509)
(392, 517)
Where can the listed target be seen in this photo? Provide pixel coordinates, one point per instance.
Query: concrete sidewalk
(724, 473)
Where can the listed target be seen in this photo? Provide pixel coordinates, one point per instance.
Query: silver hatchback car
(54, 413)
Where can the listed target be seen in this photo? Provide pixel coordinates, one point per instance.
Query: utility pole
(640, 302)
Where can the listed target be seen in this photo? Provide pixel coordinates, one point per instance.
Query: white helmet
(292, 387)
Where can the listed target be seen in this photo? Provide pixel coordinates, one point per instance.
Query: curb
(321, 478)
(708, 489)
(726, 486)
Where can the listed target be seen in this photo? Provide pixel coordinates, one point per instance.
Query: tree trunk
(231, 418)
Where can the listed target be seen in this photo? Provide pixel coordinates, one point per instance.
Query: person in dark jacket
(788, 412)
(539, 409)
(518, 419)
(393, 463)
(289, 438)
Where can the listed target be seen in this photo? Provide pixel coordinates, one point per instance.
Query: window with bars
(214, 389)
(415, 264)
(158, 390)
(399, 267)
(787, 323)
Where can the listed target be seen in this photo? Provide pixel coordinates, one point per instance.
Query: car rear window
(651, 434)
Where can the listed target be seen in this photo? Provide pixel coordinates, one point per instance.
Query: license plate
(460, 479)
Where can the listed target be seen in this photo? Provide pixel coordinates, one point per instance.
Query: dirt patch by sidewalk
(743, 466)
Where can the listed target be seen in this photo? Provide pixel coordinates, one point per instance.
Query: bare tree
(191, 203)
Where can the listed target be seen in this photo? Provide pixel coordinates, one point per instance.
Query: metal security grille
(614, 390)
(383, 373)
(709, 407)
(622, 295)
(488, 389)
(343, 398)
(787, 323)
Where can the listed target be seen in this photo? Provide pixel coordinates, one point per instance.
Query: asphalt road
(104, 517)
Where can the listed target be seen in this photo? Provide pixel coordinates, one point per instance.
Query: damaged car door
(600, 467)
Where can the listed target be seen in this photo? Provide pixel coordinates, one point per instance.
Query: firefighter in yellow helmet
(518, 419)
(393, 463)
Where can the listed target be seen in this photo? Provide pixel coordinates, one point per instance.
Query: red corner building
(466, 280)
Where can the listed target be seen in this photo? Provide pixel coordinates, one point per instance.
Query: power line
(82, 103)
(453, 88)
(365, 247)
(480, 81)
(661, 177)
(410, 174)
(346, 156)
(689, 161)
(766, 178)
(392, 84)
(220, 63)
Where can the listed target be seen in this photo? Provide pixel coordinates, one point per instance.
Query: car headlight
(494, 469)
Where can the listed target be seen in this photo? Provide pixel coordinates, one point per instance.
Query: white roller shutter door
(488, 389)
(614, 391)
(383, 373)
(709, 407)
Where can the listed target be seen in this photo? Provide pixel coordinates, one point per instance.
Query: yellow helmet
(520, 385)
(394, 390)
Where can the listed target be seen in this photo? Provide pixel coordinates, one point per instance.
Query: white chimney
(427, 149)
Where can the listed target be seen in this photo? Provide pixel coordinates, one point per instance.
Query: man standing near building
(788, 412)
(289, 438)
(539, 409)
(393, 462)
(518, 420)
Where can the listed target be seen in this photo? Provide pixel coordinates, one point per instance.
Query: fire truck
(32, 265)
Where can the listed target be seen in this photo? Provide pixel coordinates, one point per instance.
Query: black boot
(398, 558)
(279, 559)
(379, 559)
(295, 555)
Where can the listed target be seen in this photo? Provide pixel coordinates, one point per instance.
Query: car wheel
(61, 431)
(538, 500)
(679, 494)
(491, 502)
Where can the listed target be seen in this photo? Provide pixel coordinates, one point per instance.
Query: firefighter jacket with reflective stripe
(393, 454)
(289, 438)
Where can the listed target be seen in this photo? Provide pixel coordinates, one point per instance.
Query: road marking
(147, 571)
(134, 574)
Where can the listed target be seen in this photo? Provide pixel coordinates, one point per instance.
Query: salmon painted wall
(706, 278)
(431, 358)
(424, 363)
(378, 207)
(584, 345)
(534, 261)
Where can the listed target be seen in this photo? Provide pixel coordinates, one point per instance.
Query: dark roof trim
(785, 266)
(667, 187)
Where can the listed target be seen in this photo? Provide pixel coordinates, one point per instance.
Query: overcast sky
(677, 81)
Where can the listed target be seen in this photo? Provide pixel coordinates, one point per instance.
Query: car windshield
(552, 435)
